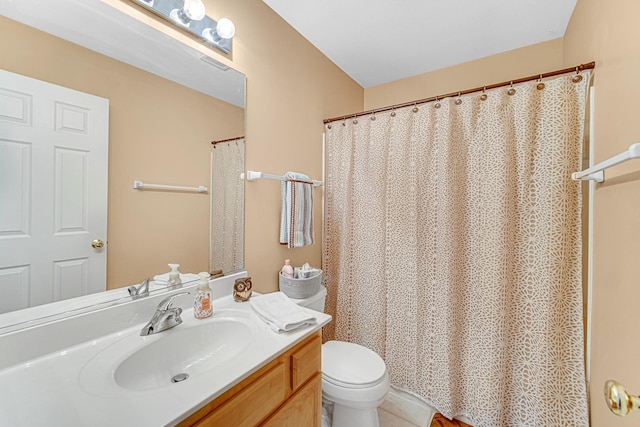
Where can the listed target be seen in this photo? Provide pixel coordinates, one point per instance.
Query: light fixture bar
(174, 12)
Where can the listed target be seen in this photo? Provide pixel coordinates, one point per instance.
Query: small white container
(300, 288)
(174, 276)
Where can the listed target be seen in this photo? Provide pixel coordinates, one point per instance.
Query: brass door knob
(619, 401)
(97, 244)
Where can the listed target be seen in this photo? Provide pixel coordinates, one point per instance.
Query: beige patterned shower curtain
(227, 206)
(452, 248)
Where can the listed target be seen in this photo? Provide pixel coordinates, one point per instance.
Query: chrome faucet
(140, 291)
(165, 317)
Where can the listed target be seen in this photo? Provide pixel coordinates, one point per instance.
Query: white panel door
(53, 192)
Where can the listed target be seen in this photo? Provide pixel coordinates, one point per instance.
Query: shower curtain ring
(540, 85)
(437, 104)
(373, 116)
(458, 100)
(483, 97)
(355, 119)
(415, 107)
(577, 78)
(511, 91)
(393, 111)
(344, 120)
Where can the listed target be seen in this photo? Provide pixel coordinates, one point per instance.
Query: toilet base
(344, 416)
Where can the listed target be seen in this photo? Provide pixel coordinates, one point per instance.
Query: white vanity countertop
(56, 389)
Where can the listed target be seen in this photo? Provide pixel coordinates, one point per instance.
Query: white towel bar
(253, 175)
(139, 185)
(596, 173)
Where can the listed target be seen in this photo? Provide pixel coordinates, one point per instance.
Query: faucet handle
(165, 304)
(142, 290)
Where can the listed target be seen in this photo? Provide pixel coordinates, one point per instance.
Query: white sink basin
(186, 351)
(151, 362)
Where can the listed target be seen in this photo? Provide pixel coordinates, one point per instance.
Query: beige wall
(159, 132)
(608, 33)
(527, 61)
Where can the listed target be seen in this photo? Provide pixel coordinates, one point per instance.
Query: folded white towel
(280, 313)
(184, 277)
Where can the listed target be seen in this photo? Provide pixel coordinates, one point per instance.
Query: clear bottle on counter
(287, 269)
(202, 304)
(174, 276)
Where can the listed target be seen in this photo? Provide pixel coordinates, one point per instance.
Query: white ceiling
(378, 41)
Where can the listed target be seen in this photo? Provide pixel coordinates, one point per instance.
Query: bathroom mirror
(172, 101)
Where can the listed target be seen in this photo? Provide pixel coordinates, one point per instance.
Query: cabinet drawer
(305, 362)
(254, 402)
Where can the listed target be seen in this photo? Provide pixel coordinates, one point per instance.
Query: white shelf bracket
(596, 173)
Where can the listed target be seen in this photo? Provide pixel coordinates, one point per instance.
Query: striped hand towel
(296, 218)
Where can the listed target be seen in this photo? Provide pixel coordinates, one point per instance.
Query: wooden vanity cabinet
(285, 392)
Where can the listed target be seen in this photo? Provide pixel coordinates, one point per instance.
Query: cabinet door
(253, 403)
(304, 408)
(305, 362)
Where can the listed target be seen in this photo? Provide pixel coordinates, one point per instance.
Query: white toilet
(354, 378)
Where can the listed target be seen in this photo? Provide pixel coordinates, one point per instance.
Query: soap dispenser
(202, 307)
(174, 276)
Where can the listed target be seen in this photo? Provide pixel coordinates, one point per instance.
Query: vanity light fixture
(190, 16)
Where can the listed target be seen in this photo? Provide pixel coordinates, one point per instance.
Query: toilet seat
(351, 365)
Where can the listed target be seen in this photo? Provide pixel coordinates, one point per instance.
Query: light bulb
(193, 9)
(211, 36)
(225, 28)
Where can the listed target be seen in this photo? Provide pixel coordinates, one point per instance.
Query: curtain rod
(577, 69)
(227, 140)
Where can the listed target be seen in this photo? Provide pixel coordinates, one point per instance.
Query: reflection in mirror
(227, 195)
(167, 101)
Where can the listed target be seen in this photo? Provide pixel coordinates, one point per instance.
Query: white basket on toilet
(300, 288)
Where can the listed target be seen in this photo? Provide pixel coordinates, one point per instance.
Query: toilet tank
(314, 302)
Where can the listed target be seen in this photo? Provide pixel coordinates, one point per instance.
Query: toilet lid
(351, 365)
